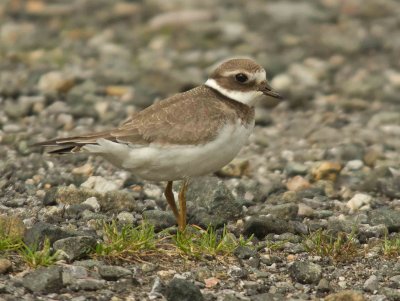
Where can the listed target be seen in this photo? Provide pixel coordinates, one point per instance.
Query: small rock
(75, 247)
(305, 210)
(125, 217)
(55, 82)
(179, 18)
(236, 168)
(390, 293)
(371, 156)
(244, 252)
(282, 211)
(160, 219)
(71, 273)
(211, 282)
(86, 170)
(156, 289)
(183, 290)
(295, 169)
(90, 284)
(113, 273)
(92, 203)
(47, 280)
(354, 165)
(395, 280)
(366, 232)
(371, 284)
(215, 204)
(5, 265)
(389, 217)
(263, 225)
(100, 184)
(357, 201)
(326, 171)
(36, 235)
(324, 286)
(347, 295)
(305, 272)
(297, 183)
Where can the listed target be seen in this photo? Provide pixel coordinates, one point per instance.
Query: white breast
(161, 163)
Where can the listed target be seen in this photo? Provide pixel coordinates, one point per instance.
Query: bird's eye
(241, 77)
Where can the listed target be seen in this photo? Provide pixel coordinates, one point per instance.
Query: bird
(184, 136)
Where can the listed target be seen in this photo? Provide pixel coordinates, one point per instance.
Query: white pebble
(93, 203)
(357, 201)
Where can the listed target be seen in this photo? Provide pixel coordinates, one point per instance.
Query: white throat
(248, 98)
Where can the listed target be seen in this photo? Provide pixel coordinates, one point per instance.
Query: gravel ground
(326, 158)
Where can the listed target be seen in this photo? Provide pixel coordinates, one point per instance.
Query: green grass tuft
(391, 246)
(34, 257)
(339, 247)
(197, 242)
(125, 240)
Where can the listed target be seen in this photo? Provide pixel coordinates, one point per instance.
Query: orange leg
(182, 205)
(169, 195)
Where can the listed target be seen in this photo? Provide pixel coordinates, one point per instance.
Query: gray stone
(5, 265)
(71, 273)
(371, 284)
(267, 297)
(346, 152)
(305, 272)
(244, 252)
(295, 169)
(160, 219)
(182, 290)
(324, 286)
(113, 273)
(391, 294)
(89, 284)
(125, 217)
(395, 280)
(214, 203)
(36, 235)
(75, 247)
(389, 217)
(47, 280)
(366, 232)
(263, 225)
(282, 211)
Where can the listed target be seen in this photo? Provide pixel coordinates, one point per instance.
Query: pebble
(358, 201)
(371, 284)
(5, 266)
(92, 203)
(99, 184)
(47, 280)
(55, 82)
(125, 217)
(297, 183)
(346, 295)
(113, 273)
(354, 165)
(326, 171)
(305, 272)
(75, 247)
(183, 290)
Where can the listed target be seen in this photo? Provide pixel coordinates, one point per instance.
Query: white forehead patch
(248, 98)
(260, 76)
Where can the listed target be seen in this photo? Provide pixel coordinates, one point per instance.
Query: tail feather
(75, 143)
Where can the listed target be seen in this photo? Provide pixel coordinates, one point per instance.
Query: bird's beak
(267, 90)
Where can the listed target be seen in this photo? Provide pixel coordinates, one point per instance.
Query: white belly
(168, 163)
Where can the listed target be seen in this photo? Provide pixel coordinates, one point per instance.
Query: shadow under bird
(187, 135)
